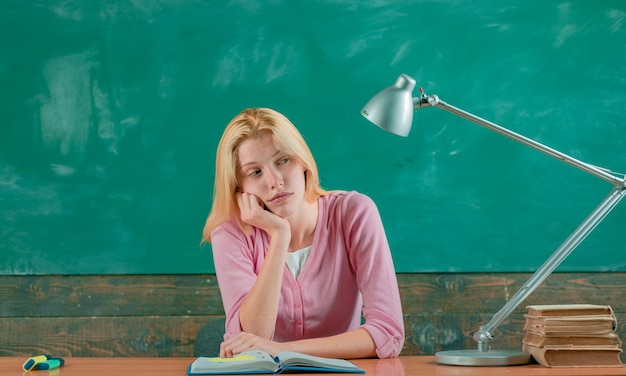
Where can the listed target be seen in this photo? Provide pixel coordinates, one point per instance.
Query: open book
(261, 362)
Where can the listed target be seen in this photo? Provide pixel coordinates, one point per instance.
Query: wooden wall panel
(161, 315)
(109, 295)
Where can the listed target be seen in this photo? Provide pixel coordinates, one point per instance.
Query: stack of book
(572, 335)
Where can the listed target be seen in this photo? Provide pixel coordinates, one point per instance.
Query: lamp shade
(392, 108)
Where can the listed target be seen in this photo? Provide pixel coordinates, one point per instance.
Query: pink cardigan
(349, 272)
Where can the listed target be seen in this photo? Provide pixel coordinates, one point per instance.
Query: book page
(289, 360)
(247, 362)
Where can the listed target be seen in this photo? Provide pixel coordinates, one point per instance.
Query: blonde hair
(250, 124)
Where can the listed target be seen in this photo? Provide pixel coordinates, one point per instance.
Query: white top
(295, 260)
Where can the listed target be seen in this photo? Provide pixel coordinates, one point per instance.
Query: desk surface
(403, 366)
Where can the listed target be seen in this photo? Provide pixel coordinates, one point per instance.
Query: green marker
(50, 364)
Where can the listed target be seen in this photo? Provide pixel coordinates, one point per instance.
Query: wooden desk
(403, 366)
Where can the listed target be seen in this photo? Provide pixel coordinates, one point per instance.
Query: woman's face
(275, 177)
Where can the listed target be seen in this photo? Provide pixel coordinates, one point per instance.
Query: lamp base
(482, 358)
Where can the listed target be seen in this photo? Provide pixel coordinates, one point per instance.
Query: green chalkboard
(111, 110)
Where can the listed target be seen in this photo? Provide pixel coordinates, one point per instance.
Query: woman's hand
(253, 213)
(247, 341)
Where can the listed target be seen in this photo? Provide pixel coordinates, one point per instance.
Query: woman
(296, 265)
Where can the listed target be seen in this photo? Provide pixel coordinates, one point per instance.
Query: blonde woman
(297, 266)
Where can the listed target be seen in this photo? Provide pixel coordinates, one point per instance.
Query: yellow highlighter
(236, 358)
(31, 362)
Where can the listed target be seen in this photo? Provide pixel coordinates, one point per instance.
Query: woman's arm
(370, 257)
(259, 309)
(350, 345)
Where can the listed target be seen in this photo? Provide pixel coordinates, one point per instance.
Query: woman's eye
(283, 160)
(254, 173)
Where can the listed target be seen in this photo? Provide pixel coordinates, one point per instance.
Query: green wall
(110, 113)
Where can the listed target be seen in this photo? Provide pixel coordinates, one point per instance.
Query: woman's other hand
(247, 341)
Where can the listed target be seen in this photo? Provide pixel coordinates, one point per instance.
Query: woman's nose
(275, 179)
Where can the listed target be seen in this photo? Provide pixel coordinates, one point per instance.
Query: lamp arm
(483, 336)
(433, 100)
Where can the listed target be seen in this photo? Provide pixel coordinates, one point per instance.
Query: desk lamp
(392, 110)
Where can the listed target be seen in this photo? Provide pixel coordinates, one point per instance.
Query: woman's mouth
(280, 197)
